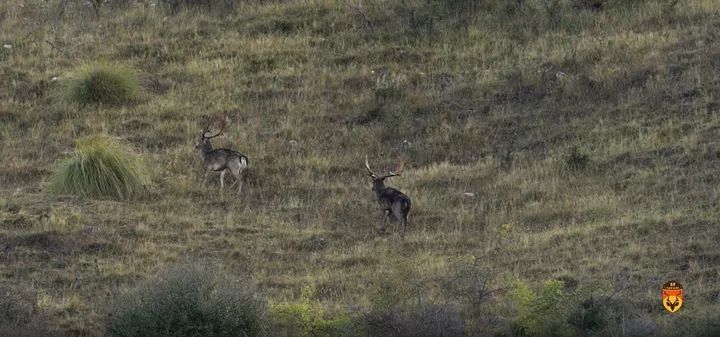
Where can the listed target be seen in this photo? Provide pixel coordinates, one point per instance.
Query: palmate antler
(396, 172)
(224, 123)
(398, 169)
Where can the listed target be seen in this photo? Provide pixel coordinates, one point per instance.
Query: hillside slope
(544, 140)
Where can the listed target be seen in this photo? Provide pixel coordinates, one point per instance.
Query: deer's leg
(207, 172)
(222, 178)
(383, 220)
(405, 223)
(236, 168)
(236, 171)
(238, 180)
(400, 217)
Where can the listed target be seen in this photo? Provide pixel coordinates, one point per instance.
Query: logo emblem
(672, 296)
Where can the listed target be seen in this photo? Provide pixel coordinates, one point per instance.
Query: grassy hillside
(545, 140)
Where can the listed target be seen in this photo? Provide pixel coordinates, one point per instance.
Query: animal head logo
(672, 296)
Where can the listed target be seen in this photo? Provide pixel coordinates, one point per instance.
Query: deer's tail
(405, 205)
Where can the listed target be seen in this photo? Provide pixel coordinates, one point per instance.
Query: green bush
(540, 313)
(188, 301)
(307, 318)
(100, 167)
(102, 84)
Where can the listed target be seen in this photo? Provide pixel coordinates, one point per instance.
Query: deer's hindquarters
(401, 208)
(398, 207)
(224, 161)
(237, 162)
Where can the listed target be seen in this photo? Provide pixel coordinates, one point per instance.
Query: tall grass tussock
(102, 84)
(101, 167)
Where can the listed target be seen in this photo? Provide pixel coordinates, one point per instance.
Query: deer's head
(378, 181)
(203, 142)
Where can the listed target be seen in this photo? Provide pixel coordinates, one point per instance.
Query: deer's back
(389, 196)
(220, 159)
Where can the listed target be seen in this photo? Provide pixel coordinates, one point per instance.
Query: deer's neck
(378, 187)
(206, 147)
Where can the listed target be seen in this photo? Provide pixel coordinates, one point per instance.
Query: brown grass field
(589, 139)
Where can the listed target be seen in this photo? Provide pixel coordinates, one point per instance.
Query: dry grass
(491, 106)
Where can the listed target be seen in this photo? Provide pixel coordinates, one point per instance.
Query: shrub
(425, 320)
(466, 283)
(100, 167)
(402, 306)
(187, 301)
(596, 314)
(591, 314)
(307, 318)
(540, 313)
(102, 84)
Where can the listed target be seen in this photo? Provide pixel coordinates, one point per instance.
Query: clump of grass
(576, 159)
(188, 301)
(102, 84)
(389, 87)
(101, 167)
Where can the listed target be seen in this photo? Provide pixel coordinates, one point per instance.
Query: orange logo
(672, 296)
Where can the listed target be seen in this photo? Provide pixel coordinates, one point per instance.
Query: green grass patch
(101, 167)
(308, 318)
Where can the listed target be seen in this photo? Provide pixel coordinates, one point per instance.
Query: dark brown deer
(392, 202)
(221, 160)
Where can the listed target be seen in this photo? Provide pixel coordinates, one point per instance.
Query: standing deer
(391, 201)
(221, 160)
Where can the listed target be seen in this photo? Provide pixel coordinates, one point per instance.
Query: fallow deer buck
(391, 201)
(221, 160)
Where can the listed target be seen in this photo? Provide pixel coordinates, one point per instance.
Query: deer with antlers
(392, 202)
(221, 160)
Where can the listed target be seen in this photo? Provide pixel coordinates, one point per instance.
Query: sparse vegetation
(571, 140)
(209, 6)
(101, 167)
(101, 84)
(423, 320)
(20, 316)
